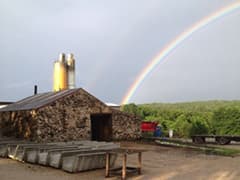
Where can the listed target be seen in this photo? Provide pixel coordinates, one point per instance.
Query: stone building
(4, 104)
(67, 115)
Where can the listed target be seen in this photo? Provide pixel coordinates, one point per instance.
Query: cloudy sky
(113, 41)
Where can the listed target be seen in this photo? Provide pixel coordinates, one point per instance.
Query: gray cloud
(112, 42)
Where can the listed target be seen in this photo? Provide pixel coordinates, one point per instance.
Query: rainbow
(174, 43)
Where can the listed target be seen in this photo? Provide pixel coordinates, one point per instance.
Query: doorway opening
(101, 127)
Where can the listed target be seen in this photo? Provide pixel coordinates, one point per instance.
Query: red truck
(149, 126)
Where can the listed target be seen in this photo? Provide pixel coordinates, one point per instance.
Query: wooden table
(125, 169)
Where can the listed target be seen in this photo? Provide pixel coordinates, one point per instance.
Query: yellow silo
(60, 74)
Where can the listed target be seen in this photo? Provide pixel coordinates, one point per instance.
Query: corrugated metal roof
(37, 101)
(5, 102)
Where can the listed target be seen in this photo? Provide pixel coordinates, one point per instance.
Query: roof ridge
(38, 100)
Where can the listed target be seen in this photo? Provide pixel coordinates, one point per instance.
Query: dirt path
(158, 163)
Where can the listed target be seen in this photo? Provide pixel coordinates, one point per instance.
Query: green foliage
(186, 119)
(226, 121)
(198, 128)
(182, 125)
(131, 108)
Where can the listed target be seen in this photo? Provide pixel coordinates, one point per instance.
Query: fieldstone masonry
(125, 126)
(67, 118)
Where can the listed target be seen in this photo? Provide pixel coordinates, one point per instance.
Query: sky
(112, 41)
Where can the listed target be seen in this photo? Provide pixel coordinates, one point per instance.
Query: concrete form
(71, 156)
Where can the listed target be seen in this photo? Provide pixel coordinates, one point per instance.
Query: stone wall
(18, 124)
(125, 126)
(68, 118)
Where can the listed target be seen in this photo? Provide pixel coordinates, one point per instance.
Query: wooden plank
(124, 166)
(107, 164)
(139, 162)
(124, 170)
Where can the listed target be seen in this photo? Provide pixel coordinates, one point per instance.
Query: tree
(198, 127)
(131, 108)
(226, 121)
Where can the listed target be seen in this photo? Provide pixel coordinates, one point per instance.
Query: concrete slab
(33, 153)
(55, 157)
(4, 147)
(43, 156)
(74, 156)
(3, 151)
(13, 148)
(19, 151)
(86, 161)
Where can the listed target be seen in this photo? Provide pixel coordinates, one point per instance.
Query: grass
(222, 151)
(203, 148)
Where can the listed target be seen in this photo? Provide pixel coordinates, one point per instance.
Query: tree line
(193, 118)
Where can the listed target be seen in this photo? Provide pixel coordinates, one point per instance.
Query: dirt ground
(158, 163)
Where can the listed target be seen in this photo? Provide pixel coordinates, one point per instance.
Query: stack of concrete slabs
(33, 154)
(83, 162)
(19, 151)
(55, 157)
(72, 160)
(44, 156)
(4, 147)
(74, 156)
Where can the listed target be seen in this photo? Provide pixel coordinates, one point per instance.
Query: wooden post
(124, 165)
(139, 162)
(107, 164)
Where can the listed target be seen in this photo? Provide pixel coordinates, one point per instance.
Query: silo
(71, 71)
(60, 74)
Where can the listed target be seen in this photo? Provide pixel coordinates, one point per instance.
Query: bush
(226, 121)
(186, 119)
(198, 128)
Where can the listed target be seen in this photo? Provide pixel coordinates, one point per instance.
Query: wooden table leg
(124, 165)
(107, 165)
(139, 162)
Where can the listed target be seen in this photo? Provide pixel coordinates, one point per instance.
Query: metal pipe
(35, 89)
(61, 58)
(71, 71)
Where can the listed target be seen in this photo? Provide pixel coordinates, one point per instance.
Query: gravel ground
(158, 163)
